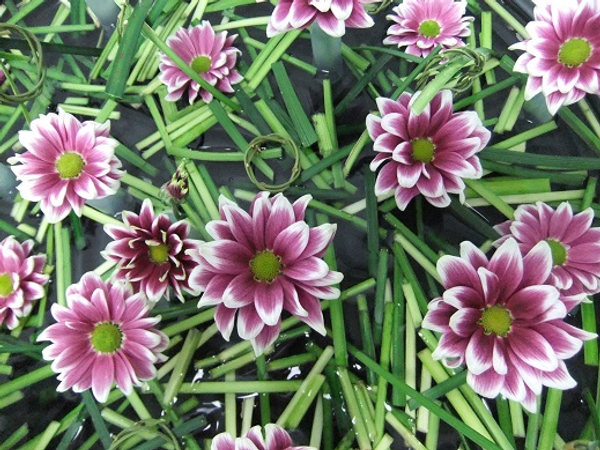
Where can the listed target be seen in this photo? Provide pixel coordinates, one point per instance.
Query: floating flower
(333, 16)
(574, 243)
(21, 280)
(562, 55)
(428, 153)
(211, 55)
(103, 336)
(502, 321)
(421, 25)
(276, 439)
(66, 163)
(152, 252)
(262, 263)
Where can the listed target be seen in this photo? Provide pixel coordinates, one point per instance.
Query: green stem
(550, 420)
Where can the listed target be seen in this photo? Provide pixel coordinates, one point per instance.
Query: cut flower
(211, 55)
(501, 319)
(66, 163)
(333, 16)
(562, 55)
(428, 153)
(103, 336)
(152, 252)
(574, 243)
(261, 263)
(421, 25)
(21, 280)
(276, 439)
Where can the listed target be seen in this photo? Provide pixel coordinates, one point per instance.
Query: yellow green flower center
(70, 165)
(6, 285)
(559, 252)
(201, 64)
(159, 253)
(107, 337)
(495, 319)
(430, 28)
(574, 52)
(423, 149)
(265, 266)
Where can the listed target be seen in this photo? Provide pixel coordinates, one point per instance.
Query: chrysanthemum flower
(421, 25)
(104, 336)
(2, 76)
(152, 252)
(429, 153)
(562, 55)
(211, 55)
(262, 263)
(66, 163)
(502, 321)
(276, 439)
(574, 243)
(333, 16)
(21, 280)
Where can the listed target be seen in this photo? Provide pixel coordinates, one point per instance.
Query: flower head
(421, 25)
(575, 245)
(429, 153)
(21, 280)
(261, 263)
(333, 16)
(66, 163)
(276, 439)
(501, 319)
(2, 76)
(562, 55)
(177, 188)
(211, 55)
(103, 336)
(152, 252)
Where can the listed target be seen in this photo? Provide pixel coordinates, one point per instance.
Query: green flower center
(495, 319)
(574, 52)
(266, 266)
(423, 149)
(70, 165)
(6, 285)
(106, 337)
(559, 252)
(430, 28)
(201, 64)
(159, 253)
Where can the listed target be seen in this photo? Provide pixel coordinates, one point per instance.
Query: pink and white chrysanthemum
(276, 438)
(152, 252)
(66, 163)
(333, 16)
(562, 54)
(103, 336)
(21, 280)
(574, 243)
(421, 25)
(501, 319)
(211, 55)
(262, 263)
(428, 153)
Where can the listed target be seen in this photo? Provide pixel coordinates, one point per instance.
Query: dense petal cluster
(152, 252)
(211, 55)
(421, 25)
(275, 438)
(103, 336)
(66, 163)
(21, 280)
(262, 263)
(501, 319)
(574, 243)
(333, 16)
(562, 53)
(428, 153)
